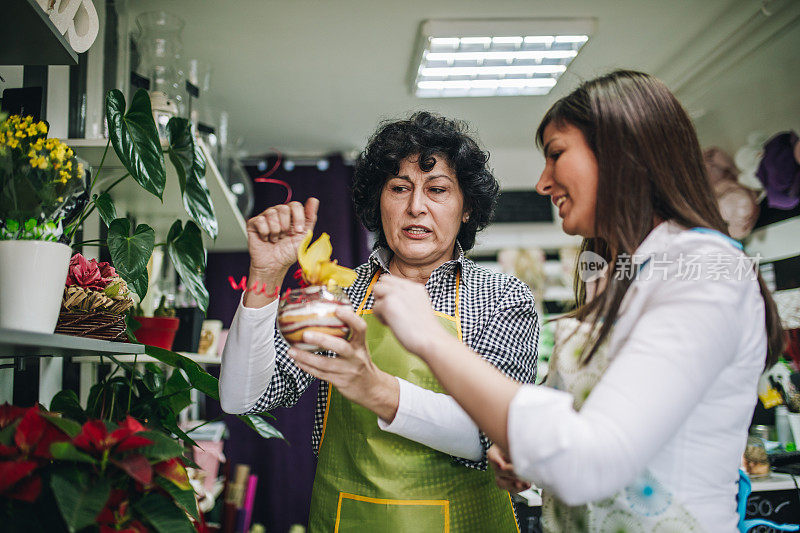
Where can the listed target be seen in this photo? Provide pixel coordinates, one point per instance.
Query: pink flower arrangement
(89, 274)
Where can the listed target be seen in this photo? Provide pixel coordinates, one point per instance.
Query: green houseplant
(122, 483)
(41, 188)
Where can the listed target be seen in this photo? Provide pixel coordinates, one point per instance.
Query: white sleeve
(248, 359)
(435, 420)
(684, 336)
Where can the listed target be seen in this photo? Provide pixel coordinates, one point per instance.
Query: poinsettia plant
(116, 464)
(101, 476)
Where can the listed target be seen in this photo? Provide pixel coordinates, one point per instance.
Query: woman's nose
(545, 183)
(416, 204)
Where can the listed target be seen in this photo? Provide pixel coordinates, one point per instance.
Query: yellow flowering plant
(42, 184)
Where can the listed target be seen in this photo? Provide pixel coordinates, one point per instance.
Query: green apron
(369, 480)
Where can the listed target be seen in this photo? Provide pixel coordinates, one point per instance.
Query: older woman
(395, 452)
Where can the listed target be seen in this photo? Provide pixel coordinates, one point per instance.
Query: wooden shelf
(16, 343)
(29, 37)
(129, 197)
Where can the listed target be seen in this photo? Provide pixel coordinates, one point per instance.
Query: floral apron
(645, 505)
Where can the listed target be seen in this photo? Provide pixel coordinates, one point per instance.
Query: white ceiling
(318, 75)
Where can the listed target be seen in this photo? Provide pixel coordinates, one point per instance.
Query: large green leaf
(135, 139)
(184, 498)
(199, 378)
(163, 514)
(130, 253)
(79, 499)
(153, 377)
(190, 164)
(105, 206)
(67, 402)
(185, 247)
(164, 447)
(262, 427)
(177, 390)
(68, 452)
(69, 427)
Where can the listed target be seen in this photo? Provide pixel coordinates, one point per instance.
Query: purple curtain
(285, 471)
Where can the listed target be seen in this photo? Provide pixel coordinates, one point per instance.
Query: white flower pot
(32, 277)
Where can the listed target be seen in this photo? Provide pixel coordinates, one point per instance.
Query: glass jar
(312, 309)
(160, 46)
(756, 460)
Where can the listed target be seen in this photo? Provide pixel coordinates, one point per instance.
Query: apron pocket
(357, 514)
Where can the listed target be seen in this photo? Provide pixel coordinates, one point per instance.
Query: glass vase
(312, 309)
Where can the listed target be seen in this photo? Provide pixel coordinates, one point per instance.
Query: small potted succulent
(42, 188)
(313, 307)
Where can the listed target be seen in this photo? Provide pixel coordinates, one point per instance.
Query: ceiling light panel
(495, 57)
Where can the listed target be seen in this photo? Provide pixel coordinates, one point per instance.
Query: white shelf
(144, 358)
(129, 197)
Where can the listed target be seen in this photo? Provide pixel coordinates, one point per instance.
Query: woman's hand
(272, 240)
(405, 307)
(353, 373)
(504, 474)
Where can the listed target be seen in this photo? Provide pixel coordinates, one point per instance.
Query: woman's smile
(417, 232)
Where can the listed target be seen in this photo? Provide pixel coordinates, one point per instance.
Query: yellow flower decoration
(13, 143)
(42, 127)
(315, 261)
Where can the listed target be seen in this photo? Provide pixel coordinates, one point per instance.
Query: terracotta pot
(157, 330)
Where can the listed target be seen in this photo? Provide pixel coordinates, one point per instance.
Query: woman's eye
(437, 190)
(554, 155)
(399, 188)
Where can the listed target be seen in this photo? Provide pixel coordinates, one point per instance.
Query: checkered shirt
(498, 321)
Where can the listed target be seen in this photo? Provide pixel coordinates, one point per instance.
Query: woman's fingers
(274, 224)
(318, 366)
(328, 342)
(284, 219)
(298, 223)
(357, 325)
(259, 224)
(311, 207)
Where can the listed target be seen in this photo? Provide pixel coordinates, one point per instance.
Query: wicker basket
(103, 326)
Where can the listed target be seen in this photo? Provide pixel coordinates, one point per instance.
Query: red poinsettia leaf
(116, 500)
(8, 451)
(137, 466)
(93, 436)
(13, 471)
(128, 427)
(27, 490)
(134, 441)
(30, 429)
(9, 414)
(131, 424)
(51, 434)
(173, 470)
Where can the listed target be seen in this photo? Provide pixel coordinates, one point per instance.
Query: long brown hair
(649, 167)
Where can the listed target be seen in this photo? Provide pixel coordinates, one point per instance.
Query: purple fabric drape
(285, 471)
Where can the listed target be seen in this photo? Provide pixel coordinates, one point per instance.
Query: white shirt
(678, 397)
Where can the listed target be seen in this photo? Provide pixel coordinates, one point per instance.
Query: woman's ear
(465, 217)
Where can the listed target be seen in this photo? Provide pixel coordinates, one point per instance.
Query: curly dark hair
(429, 136)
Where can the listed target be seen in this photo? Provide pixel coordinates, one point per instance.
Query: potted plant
(95, 301)
(159, 329)
(87, 461)
(41, 189)
(113, 466)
